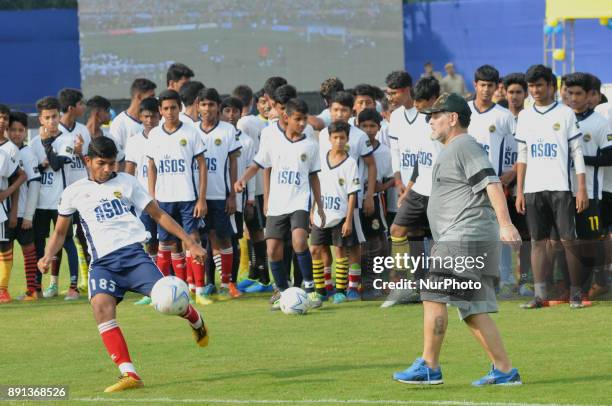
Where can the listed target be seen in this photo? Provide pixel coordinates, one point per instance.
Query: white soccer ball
(170, 295)
(294, 301)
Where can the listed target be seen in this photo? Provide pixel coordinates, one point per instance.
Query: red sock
(164, 261)
(192, 316)
(327, 275)
(198, 274)
(178, 264)
(226, 265)
(29, 260)
(116, 346)
(189, 266)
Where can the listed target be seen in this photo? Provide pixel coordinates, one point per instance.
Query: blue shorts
(127, 269)
(182, 213)
(150, 226)
(218, 220)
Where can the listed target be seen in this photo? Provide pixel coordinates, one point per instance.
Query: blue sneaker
(210, 289)
(497, 377)
(258, 287)
(352, 295)
(339, 298)
(419, 374)
(245, 283)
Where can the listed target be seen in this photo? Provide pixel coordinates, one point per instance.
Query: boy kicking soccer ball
(105, 201)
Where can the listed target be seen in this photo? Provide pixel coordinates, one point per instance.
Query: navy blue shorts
(128, 269)
(150, 226)
(182, 213)
(218, 220)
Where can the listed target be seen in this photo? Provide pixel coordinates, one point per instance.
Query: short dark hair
(340, 127)
(18, 117)
(176, 71)
(169, 95)
(398, 79)
(258, 95)
(284, 93)
(537, 72)
(296, 105)
(517, 78)
(98, 102)
(579, 79)
(102, 147)
(149, 104)
(47, 103)
(189, 92)
(486, 73)
(273, 83)
(244, 93)
(209, 93)
(428, 63)
(378, 93)
(141, 85)
(4, 109)
(369, 115)
(69, 98)
(595, 82)
(329, 87)
(364, 89)
(233, 102)
(464, 120)
(426, 88)
(384, 104)
(343, 98)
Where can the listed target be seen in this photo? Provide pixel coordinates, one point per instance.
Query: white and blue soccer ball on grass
(170, 295)
(294, 301)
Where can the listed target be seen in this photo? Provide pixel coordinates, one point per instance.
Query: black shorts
(588, 223)
(333, 236)
(279, 227)
(217, 219)
(23, 237)
(550, 210)
(413, 212)
(42, 223)
(376, 224)
(519, 220)
(257, 221)
(239, 220)
(605, 208)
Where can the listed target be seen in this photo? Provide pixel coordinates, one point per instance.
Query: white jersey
(492, 129)
(547, 131)
(605, 109)
(337, 184)
(10, 149)
(136, 152)
(292, 163)
(221, 141)
(325, 115)
(174, 154)
(358, 147)
(52, 183)
(8, 166)
(427, 155)
(64, 145)
(29, 164)
(122, 127)
(382, 157)
(244, 158)
(253, 126)
(184, 118)
(595, 130)
(107, 212)
(405, 129)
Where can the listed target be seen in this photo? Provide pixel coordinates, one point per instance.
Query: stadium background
(50, 43)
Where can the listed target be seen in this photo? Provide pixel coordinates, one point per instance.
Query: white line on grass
(320, 402)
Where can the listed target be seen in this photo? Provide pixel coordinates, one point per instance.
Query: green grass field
(337, 355)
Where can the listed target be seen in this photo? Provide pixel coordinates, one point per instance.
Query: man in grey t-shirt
(466, 204)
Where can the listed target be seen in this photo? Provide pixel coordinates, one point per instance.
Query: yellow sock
(6, 264)
(318, 276)
(83, 267)
(342, 265)
(244, 257)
